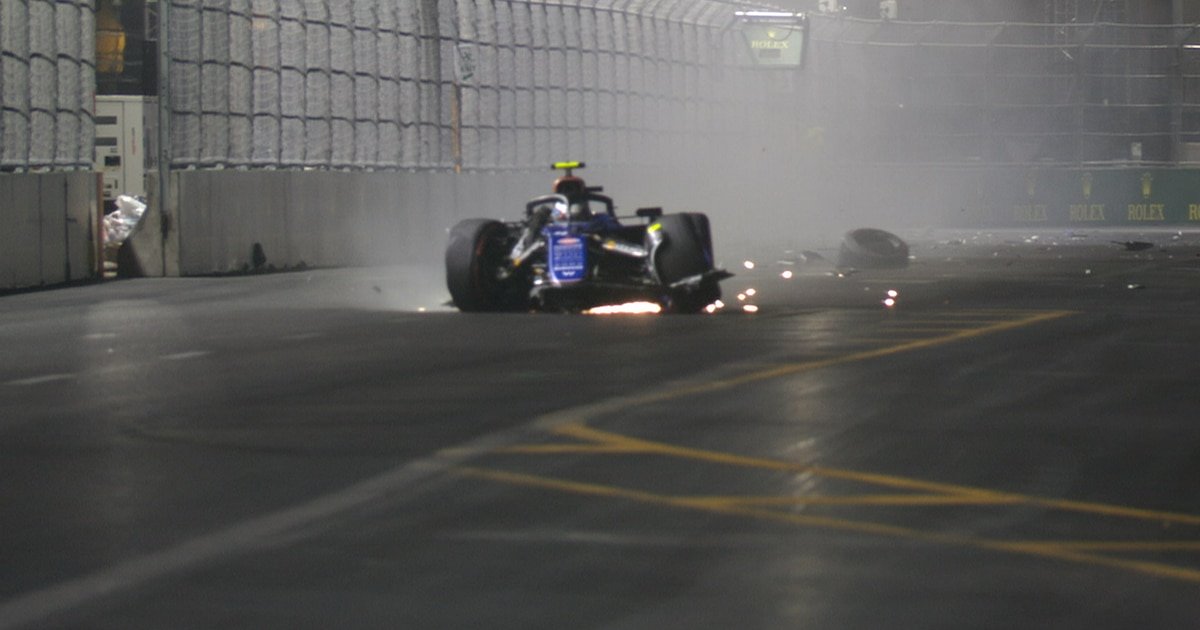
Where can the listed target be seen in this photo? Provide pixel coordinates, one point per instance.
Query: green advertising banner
(1095, 197)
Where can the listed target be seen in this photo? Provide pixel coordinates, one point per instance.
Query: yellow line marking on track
(991, 313)
(647, 447)
(573, 425)
(1038, 549)
(876, 353)
(789, 369)
(295, 521)
(878, 340)
(1154, 569)
(911, 330)
(565, 449)
(949, 320)
(625, 444)
(901, 500)
(948, 324)
(1118, 545)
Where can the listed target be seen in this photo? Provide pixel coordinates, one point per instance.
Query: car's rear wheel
(474, 258)
(686, 251)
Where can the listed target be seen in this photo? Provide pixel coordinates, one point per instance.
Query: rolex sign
(778, 45)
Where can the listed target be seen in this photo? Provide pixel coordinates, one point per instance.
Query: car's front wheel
(474, 258)
(686, 252)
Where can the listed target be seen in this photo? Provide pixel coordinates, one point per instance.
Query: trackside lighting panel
(126, 146)
(774, 39)
(767, 14)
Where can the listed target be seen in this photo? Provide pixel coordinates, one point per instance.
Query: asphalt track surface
(1015, 443)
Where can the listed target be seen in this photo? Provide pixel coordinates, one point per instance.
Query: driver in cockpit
(575, 190)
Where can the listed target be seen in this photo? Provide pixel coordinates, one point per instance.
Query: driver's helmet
(575, 190)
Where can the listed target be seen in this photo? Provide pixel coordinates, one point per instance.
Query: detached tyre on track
(869, 248)
(686, 252)
(474, 257)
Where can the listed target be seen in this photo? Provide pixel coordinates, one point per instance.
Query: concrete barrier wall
(49, 232)
(332, 218)
(328, 218)
(322, 218)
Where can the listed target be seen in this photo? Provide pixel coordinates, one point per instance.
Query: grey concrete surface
(322, 218)
(1013, 444)
(49, 234)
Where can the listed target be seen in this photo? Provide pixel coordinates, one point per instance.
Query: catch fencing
(1006, 93)
(491, 84)
(484, 84)
(47, 79)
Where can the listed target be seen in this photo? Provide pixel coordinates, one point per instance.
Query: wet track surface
(1014, 444)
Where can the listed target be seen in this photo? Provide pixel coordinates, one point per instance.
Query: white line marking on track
(38, 380)
(184, 356)
(302, 336)
(286, 524)
(604, 538)
(245, 537)
(296, 523)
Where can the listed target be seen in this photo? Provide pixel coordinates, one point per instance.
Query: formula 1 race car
(572, 253)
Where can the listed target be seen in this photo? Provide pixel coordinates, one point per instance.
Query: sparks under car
(571, 252)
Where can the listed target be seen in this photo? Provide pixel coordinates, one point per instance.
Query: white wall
(49, 228)
(327, 218)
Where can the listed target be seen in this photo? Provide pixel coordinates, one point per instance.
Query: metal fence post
(1176, 154)
(164, 123)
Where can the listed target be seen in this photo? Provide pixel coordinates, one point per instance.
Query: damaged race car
(572, 253)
